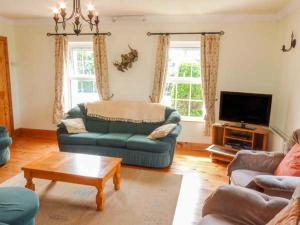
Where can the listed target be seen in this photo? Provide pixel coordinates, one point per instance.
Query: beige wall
(287, 94)
(247, 63)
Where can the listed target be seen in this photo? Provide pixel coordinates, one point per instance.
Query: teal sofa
(5, 142)
(121, 139)
(18, 206)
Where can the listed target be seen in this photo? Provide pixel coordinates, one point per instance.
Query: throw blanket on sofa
(127, 111)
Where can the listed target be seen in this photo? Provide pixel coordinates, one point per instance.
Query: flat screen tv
(245, 107)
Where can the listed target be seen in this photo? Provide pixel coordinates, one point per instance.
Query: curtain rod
(179, 33)
(73, 34)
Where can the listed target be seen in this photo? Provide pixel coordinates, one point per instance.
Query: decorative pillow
(74, 126)
(290, 215)
(162, 131)
(290, 165)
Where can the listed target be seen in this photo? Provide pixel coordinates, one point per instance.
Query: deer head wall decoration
(127, 60)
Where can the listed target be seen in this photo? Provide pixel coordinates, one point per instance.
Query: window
(183, 89)
(81, 82)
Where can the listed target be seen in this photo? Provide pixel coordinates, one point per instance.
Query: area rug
(145, 198)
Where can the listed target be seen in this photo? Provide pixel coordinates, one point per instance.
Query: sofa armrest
(174, 117)
(175, 133)
(277, 183)
(61, 129)
(243, 204)
(255, 160)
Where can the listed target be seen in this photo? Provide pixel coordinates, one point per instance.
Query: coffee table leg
(30, 185)
(100, 196)
(117, 178)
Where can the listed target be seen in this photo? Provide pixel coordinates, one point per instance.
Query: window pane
(83, 61)
(183, 108)
(196, 92)
(174, 91)
(185, 70)
(196, 70)
(183, 91)
(169, 89)
(196, 109)
(83, 91)
(173, 104)
(87, 86)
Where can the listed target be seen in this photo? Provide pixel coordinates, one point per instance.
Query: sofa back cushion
(290, 165)
(97, 125)
(147, 128)
(122, 127)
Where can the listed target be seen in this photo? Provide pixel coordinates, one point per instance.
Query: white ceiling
(31, 9)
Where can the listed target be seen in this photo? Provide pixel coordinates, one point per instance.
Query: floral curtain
(61, 50)
(160, 68)
(101, 68)
(209, 72)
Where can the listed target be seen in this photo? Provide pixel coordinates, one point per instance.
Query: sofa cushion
(96, 125)
(290, 165)
(141, 142)
(88, 138)
(147, 128)
(114, 139)
(74, 126)
(162, 131)
(244, 177)
(122, 127)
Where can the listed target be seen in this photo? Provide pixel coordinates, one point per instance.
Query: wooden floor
(201, 175)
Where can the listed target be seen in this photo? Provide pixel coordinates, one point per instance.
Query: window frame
(72, 75)
(186, 80)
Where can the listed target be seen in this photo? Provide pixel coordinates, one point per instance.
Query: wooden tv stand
(227, 140)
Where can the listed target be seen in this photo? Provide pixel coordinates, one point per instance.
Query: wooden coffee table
(76, 168)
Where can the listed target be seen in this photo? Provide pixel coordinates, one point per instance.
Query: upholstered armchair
(18, 206)
(233, 205)
(255, 169)
(5, 141)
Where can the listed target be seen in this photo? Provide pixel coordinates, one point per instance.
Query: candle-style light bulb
(55, 10)
(90, 7)
(62, 5)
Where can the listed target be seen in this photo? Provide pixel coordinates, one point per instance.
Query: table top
(74, 164)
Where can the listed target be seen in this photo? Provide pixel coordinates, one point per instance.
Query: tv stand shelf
(227, 140)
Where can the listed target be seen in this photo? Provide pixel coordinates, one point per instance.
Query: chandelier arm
(73, 11)
(82, 16)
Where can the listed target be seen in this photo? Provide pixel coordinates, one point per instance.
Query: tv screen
(246, 107)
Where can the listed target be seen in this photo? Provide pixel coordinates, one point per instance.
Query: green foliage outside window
(87, 87)
(188, 96)
(189, 70)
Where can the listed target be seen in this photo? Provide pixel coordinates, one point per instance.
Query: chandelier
(61, 18)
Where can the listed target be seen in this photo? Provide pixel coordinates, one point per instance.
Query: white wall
(287, 93)
(247, 63)
(7, 30)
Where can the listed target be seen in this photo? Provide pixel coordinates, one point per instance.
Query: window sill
(189, 119)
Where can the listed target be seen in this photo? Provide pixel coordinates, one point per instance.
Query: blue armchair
(18, 206)
(5, 142)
